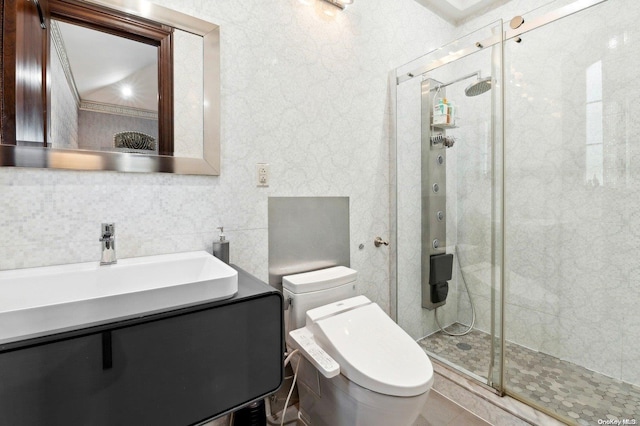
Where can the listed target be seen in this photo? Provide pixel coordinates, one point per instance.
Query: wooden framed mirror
(41, 129)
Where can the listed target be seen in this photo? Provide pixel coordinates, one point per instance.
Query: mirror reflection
(104, 93)
(102, 85)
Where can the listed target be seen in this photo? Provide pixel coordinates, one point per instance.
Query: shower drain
(463, 346)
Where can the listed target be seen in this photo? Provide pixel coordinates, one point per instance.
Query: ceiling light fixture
(127, 91)
(340, 3)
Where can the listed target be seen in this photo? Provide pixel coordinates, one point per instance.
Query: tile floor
(437, 411)
(578, 395)
(441, 411)
(484, 403)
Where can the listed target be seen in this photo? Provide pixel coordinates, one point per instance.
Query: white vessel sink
(39, 301)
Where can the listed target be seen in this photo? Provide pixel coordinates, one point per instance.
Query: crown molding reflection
(58, 43)
(117, 110)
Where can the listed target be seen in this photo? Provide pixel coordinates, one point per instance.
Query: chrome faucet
(108, 239)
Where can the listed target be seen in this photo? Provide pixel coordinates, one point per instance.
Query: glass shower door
(572, 275)
(449, 203)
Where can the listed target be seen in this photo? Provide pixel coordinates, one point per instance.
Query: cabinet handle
(107, 354)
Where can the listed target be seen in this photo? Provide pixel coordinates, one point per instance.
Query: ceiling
(458, 11)
(103, 65)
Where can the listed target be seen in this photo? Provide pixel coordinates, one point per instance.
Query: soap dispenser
(221, 247)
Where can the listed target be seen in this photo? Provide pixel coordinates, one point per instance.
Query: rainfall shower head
(479, 87)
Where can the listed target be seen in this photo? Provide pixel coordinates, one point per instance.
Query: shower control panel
(435, 142)
(305, 342)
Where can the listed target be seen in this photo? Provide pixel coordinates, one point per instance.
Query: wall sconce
(340, 3)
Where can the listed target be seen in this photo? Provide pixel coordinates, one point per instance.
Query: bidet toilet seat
(371, 349)
(358, 368)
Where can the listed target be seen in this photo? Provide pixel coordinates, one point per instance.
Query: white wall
(301, 90)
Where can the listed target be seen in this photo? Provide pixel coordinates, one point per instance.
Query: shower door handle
(380, 242)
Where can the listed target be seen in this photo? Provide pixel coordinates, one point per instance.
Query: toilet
(358, 366)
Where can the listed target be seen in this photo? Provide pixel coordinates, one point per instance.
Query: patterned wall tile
(98, 129)
(304, 90)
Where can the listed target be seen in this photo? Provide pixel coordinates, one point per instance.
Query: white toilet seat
(372, 350)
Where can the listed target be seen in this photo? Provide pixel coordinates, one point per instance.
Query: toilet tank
(316, 288)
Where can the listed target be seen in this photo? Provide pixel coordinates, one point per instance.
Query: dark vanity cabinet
(172, 368)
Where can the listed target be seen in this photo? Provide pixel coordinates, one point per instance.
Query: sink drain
(463, 346)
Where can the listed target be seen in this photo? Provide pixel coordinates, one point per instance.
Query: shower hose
(473, 311)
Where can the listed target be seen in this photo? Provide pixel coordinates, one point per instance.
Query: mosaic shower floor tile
(573, 392)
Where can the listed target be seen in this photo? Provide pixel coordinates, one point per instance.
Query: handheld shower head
(479, 87)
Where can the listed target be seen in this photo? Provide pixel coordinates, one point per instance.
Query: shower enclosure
(530, 187)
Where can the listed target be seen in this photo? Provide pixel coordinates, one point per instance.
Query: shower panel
(454, 192)
(436, 263)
